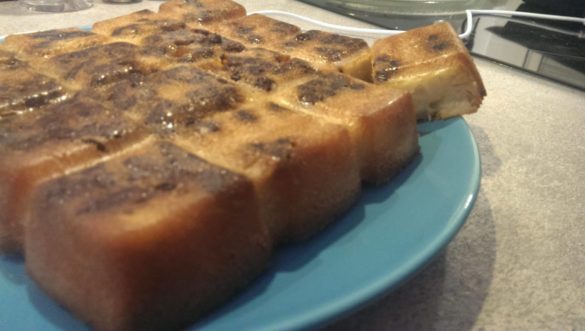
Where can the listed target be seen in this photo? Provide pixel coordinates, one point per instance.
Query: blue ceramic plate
(388, 235)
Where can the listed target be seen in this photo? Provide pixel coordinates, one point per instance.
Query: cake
(151, 166)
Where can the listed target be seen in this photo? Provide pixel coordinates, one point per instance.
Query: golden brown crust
(304, 169)
(381, 122)
(258, 31)
(197, 13)
(434, 65)
(49, 142)
(324, 50)
(45, 44)
(146, 254)
(135, 26)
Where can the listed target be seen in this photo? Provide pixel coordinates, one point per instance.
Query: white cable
(468, 26)
(470, 12)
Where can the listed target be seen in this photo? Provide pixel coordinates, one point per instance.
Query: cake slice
(134, 26)
(170, 99)
(49, 43)
(324, 50)
(22, 89)
(330, 51)
(198, 13)
(381, 121)
(196, 46)
(262, 69)
(148, 240)
(98, 66)
(432, 64)
(258, 31)
(165, 41)
(303, 168)
(48, 142)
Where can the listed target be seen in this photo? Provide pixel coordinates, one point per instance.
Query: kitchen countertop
(519, 261)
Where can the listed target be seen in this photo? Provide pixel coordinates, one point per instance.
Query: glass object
(410, 7)
(122, 1)
(404, 14)
(56, 6)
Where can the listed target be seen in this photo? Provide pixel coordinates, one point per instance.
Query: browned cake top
(131, 181)
(27, 91)
(176, 97)
(326, 85)
(50, 42)
(45, 39)
(189, 45)
(202, 11)
(385, 67)
(147, 26)
(74, 121)
(239, 122)
(264, 69)
(396, 55)
(99, 65)
(330, 47)
(9, 61)
(22, 89)
(259, 30)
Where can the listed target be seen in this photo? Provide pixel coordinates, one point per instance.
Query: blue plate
(389, 234)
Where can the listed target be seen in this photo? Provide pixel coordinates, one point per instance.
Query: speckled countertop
(519, 262)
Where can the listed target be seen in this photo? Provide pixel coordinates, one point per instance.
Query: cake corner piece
(433, 64)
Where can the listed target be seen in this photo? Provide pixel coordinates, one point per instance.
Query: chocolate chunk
(279, 149)
(385, 67)
(326, 86)
(437, 44)
(245, 116)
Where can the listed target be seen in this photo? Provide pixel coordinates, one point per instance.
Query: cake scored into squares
(262, 69)
(324, 50)
(433, 64)
(133, 27)
(148, 240)
(99, 65)
(304, 168)
(301, 179)
(197, 13)
(22, 89)
(49, 142)
(381, 122)
(258, 30)
(382, 128)
(51, 42)
(201, 47)
(172, 98)
(232, 143)
(166, 40)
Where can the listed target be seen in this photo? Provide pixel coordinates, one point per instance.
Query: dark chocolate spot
(202, 126)
(385, 67)
(100, 146)
(265, 83)
(245, 116)
(166, 186)
(304, 36)
(327, 85)
(279, 149)
(437, 44)
(276, 108)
